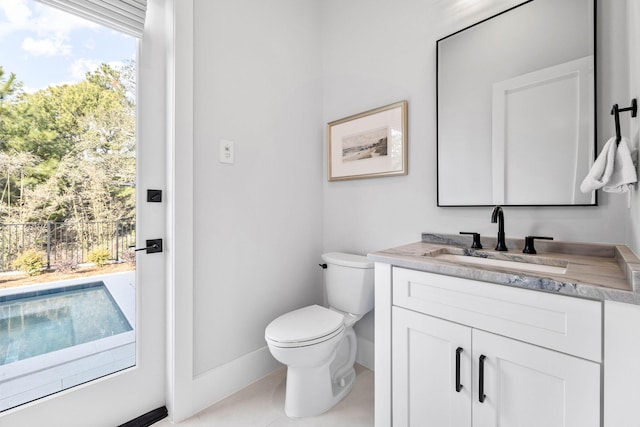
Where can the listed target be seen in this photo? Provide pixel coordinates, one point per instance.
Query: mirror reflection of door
(543, 164)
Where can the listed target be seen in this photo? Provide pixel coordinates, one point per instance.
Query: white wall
(258, 222)
(377, 52)
(244, 239)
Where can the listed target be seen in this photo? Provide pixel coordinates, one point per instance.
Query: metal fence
(63, 242)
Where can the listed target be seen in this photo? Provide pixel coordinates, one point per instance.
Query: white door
(431, 371)
(529, 386)
(125, 395)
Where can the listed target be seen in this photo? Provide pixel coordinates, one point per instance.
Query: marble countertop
(594, 271)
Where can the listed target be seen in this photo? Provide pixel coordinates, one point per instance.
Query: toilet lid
(305, 324)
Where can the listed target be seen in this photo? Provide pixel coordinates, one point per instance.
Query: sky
(44, 46)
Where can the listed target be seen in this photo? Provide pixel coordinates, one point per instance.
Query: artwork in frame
(369, 144)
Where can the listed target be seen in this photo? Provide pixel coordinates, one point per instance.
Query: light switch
(226, 151)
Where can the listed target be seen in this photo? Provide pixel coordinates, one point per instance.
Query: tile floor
(262, 405)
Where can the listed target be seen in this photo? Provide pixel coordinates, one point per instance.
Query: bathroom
(269, 76)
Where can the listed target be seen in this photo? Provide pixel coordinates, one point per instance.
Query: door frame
(180, 208)
(127, 394)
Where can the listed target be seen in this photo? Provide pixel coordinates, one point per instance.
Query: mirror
(516, 107)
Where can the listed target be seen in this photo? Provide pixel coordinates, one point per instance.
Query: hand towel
(602, 168)
(624, 171)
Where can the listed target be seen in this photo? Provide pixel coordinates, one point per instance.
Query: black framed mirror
(516, 107)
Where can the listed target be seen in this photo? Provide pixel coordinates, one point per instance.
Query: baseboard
(216, 384)
(365, 353)
(221, 382)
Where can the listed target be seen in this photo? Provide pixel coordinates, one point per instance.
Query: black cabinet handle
(458, 385)
(481, 394)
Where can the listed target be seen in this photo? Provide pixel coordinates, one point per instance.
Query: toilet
(318, 344)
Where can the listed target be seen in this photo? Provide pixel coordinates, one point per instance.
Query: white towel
(624, 171)
(602, 169)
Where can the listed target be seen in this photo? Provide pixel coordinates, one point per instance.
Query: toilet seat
(304, 327)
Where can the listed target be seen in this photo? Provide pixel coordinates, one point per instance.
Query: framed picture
(369, 144)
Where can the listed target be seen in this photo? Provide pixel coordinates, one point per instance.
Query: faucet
(498, 216)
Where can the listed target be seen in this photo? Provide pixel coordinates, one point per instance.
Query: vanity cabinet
(468, 353)
(437, 378)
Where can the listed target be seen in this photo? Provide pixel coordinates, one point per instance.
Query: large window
(67, 201)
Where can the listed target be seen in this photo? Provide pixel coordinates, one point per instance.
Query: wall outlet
(226, 151)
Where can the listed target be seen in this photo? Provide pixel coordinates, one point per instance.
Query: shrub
(99, 256)
(67, 265)
(128, 256)
(30, 261)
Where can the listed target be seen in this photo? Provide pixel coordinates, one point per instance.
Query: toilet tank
(349, 282)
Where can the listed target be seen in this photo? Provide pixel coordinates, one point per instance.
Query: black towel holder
(615, 111)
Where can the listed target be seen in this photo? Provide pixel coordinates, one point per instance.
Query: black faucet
(498, 216)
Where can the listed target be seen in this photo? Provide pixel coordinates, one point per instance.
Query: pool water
(35, 323)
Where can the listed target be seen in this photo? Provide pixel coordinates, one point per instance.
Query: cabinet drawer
(567, 324)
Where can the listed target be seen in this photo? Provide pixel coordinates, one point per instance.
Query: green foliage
(8, 86)
(30, 261)
(99, 256)
(67, 153)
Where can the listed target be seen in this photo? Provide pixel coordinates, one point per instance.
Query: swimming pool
(33, 377)
(40, 322)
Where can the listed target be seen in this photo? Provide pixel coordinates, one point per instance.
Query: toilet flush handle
(324, 266)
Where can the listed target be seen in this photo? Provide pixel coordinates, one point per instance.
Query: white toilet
(318, 344)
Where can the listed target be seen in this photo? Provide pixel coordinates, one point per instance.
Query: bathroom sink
(511, 262)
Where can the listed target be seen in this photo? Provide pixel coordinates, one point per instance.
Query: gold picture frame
(367, 145)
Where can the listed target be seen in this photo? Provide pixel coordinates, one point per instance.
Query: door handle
(458, 385)
(153, 246)
(481, 395)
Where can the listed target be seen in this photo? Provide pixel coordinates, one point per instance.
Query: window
(67, 200)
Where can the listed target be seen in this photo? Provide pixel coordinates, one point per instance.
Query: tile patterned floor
(262, 405)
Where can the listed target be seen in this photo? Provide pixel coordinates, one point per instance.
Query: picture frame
(370, 144)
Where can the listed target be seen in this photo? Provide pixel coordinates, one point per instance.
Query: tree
(8, 86)
(97, 174)
(13, 167)
(71, 148)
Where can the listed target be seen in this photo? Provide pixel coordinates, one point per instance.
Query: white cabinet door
(529, 386)
(425, 353)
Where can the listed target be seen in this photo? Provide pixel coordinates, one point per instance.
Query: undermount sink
(511, 262)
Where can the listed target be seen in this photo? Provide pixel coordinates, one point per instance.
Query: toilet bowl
(319, 363)
(318, 344)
